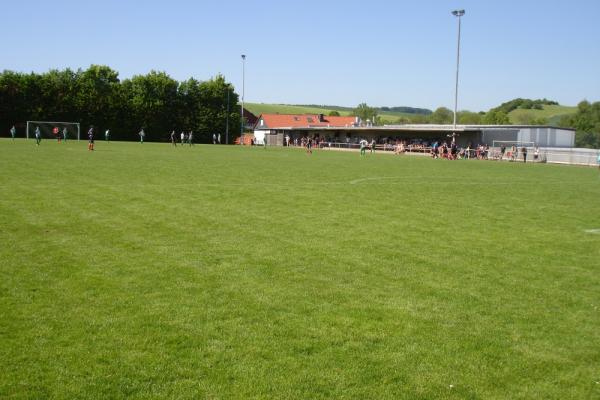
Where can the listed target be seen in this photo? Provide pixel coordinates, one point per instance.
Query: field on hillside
(259, 108)
(551, 113)
(146, 271)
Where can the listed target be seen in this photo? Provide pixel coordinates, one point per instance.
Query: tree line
(96, 96)
(444, 116)
(585, 121)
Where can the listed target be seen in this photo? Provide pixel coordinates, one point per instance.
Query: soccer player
(13, 132)
(524, 152)
(142, 135)
(173, 140)
(373, 146)
(91, 139)
(363, 147)
(182, 138)
(214, 138)
(219, 138)
(55, 132)
(107, 135)
(191, 138)
(38, 135)
(65, 134)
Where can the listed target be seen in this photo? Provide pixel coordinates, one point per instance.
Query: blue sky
(325, 52)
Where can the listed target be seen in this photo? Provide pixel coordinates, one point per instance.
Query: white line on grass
(593, 231)
(377, 178)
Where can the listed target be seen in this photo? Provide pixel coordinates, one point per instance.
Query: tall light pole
(456, 13)
(243, 93)
(227, 119)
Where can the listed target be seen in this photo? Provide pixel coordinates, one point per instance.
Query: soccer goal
(54, 130)
(509, 143)
(509, 153)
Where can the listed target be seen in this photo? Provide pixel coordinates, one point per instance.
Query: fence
(556, 155)
(576, 156)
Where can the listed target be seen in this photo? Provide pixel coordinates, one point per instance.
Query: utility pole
(456, 13)
(243, 95)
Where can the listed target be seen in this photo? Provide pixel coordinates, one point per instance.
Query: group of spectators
(452, 151)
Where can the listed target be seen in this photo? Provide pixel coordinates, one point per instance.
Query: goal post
(509, 143)
(48, 128)
(508, 153)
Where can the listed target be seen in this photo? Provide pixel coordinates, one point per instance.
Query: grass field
(259, 108)
(551, 113)
(145, 271)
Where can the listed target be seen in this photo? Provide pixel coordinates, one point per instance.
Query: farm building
(349, 129)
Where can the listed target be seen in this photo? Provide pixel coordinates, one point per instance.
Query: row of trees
(586, 121)
(97, 96)
(525, 104)
(440, 116)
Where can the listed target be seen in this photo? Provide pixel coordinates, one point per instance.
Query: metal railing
(574, 156)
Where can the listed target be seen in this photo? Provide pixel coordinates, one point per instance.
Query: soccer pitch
(146, 271)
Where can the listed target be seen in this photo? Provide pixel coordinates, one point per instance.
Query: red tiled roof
(270, 121)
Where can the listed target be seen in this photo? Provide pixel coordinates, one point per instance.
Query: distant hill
(387, 114)
(528, 111)
(520, 111)
(551, 113)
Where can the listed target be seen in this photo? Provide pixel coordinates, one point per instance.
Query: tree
(212, 110)
(364, 112)
(94, 91)
(96, 96)
(586, 122)
(442, 115)
(496, 118)
(153, 102)
(469, 118)
(334, 113)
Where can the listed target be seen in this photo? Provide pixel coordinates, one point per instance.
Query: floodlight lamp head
(458, 13)
(243, 56)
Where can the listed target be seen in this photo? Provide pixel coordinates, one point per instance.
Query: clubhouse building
(348, 129)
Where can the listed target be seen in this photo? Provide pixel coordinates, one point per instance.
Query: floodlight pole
(456, 13)
(227, 119)
(243, 95)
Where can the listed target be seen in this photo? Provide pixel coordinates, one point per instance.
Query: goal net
(510, 149)
(54, 130)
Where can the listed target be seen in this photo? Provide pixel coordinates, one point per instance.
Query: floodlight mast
(456, 13)
(227, 118)
(243, 95)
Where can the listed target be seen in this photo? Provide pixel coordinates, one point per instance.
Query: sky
(383, 53)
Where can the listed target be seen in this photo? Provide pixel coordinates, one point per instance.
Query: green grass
(550, 112)
(259, 108)
(144, 271)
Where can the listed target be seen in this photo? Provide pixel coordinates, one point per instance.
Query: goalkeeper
(65, 134)
(38, 135)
